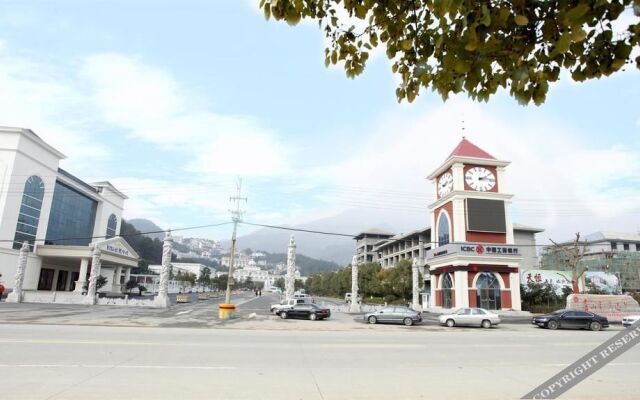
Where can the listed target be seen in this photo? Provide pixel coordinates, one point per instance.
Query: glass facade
(72, 217)
(112, 224)
(29, 215)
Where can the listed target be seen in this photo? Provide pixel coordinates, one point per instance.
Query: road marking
(201, 367)
(183, 312)
(622, 364)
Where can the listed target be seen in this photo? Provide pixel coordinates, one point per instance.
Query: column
(82, 279)
(415, 276)
(355, 304)
(96, 264)
(16, 295)
(461, 286)
(127, 275)
(162, 299)
(117, 273)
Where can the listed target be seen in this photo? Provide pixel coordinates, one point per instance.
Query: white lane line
(197, 367)
(183, 312)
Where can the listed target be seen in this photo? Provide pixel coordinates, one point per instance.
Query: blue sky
(171, 102)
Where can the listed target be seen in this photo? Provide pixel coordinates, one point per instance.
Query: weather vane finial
(463, 136)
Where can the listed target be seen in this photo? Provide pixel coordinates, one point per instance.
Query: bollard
(225, 311)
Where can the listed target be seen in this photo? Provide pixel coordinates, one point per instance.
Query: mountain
(144, 225)
(334, 248)
(306, 265)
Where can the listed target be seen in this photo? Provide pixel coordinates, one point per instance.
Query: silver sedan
(397, 314)
(470, 317)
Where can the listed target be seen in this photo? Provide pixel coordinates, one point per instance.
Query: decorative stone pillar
(355, 304)
(290, 280)
(82, 279)
(127, 275)
(415, 267)
(162, 299)
(16, 295)
(93, 277)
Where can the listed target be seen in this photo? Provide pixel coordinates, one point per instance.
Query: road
(96, 362)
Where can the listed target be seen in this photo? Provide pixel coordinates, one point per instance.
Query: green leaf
(521, 20)
(577, 12)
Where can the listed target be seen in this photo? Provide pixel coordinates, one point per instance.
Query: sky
(173, 101)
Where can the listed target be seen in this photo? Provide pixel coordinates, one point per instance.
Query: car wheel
(451, 323)
(313, 317)
(486, 324)
(408, 321)
(595, 326)
(372, 319)
(552, 324)
(283, 315)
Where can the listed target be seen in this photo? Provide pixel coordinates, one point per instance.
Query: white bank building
(61, 217)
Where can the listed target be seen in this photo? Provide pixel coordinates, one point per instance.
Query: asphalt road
(89, 362)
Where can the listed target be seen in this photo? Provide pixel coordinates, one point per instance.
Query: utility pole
(236, 216)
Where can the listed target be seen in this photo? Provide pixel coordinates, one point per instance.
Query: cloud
(152, 106)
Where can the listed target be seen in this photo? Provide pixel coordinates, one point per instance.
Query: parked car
(307, 311)
(395, 314)
(288, 303)
(470, 317)
(571, 319)
(630, 320)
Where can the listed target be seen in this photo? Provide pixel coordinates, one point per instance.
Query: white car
(630, 320)
(470, 317)
(288, 303)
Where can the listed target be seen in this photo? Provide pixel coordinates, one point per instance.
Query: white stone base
(14, 297)
(162, 301)
(45, 296)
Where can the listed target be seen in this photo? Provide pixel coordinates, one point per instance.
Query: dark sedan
(570, 319)
(306, 311)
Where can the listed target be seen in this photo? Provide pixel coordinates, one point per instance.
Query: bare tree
(574, 255)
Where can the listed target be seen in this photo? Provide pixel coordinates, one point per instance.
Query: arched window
(443, 229)
(488, 291)
(112, 224)
(29, 215)
(447, 291)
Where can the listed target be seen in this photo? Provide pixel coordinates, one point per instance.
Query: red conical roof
(467, 149)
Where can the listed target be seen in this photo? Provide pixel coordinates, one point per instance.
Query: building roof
(467, 149)
(601, 235)
(520, 227)
(373, 232)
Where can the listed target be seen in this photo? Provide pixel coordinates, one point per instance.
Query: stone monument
(290, 280)
(355, 303)
(162, 299)
(415, 266)
(16, 295)
(90, 298)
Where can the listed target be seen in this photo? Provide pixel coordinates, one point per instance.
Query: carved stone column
(355, 304)
(16, 295)
(290, 280)
(415, 266)
(96, 264)
(162, 299)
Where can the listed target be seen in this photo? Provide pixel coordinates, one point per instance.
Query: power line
(299, 230)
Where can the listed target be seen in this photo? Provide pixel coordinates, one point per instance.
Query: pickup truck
(287, 304)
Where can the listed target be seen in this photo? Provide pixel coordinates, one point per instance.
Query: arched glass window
(447, 291)
(29, 215)
(112, 224)
(443, 230)
(488, 291)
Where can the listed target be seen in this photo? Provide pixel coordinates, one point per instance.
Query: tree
(131, 284)
(573, 256)
(472, 46)
(205, 277)
(279, 283)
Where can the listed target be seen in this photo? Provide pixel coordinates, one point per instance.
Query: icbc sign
(479, 249)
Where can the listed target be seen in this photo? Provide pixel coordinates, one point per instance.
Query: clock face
(480, 179)
(445, 184)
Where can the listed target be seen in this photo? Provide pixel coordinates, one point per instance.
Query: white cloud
(154, 107)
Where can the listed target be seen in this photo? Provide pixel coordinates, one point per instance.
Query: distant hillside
(306, 265)
(144, 225)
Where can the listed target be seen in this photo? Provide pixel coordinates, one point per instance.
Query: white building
(60, 216)
(191, 268)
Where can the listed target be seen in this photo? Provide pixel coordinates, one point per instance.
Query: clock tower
(473, 261)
